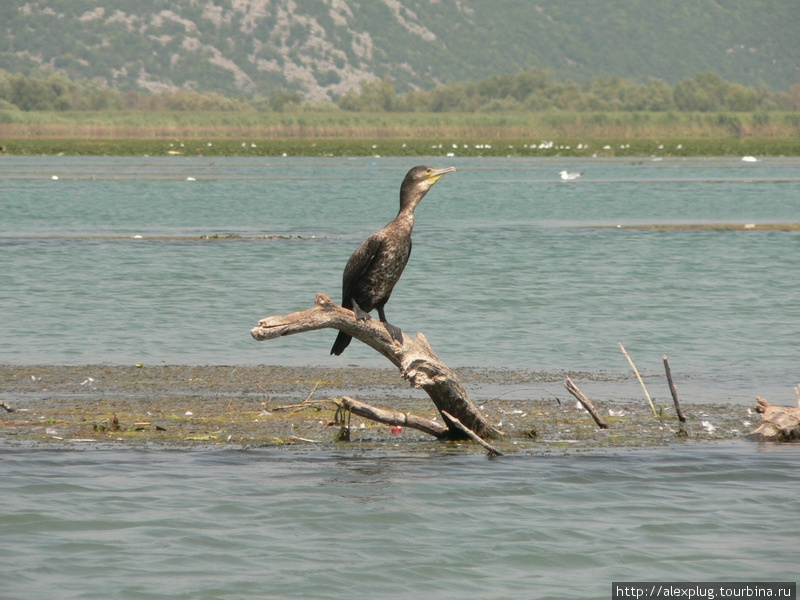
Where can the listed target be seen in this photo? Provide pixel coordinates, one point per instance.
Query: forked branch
(414, 357)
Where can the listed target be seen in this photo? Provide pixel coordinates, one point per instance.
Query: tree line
(536, 90)
(532, 90)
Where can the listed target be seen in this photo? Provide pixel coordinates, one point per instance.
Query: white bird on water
(569, 176)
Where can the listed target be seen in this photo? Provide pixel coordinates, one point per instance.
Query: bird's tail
(342, 342)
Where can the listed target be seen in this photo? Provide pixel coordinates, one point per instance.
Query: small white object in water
(615, 413)
(137, 237)
(191, 179)
(750, 226)
(708, 426)
(569, 176)
(749, 159)
(54, 178)
(188, 413)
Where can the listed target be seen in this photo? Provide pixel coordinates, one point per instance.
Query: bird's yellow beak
(435, 175)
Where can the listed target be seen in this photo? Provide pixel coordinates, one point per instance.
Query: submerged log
(778, 423)
(414, 357)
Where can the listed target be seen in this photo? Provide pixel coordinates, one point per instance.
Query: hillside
(323, 48)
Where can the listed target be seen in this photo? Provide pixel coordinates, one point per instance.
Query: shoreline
(247, 406)
(457, 145)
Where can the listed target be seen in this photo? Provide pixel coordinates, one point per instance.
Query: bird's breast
(384, 272)
(389, 265)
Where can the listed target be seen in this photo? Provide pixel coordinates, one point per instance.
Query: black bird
(376, 265)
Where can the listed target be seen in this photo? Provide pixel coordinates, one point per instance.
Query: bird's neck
(409, 200)
(405, 219)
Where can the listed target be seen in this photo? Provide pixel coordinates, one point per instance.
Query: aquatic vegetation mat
(201, 406)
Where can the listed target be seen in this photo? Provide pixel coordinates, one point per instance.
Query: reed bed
(364, 134)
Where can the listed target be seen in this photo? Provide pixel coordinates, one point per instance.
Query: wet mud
(246, 406)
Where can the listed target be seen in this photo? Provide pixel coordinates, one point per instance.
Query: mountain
(323, 48)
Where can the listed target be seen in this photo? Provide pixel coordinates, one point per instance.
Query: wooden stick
(674, 391)
(472, 435)
(639, 377)
(392, 417)
(414, 357)
(587, 404)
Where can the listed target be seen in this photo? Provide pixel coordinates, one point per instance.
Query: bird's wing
(360, 262)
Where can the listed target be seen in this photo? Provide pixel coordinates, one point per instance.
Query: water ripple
(275, 524)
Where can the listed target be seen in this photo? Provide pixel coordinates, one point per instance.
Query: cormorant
(376, 265)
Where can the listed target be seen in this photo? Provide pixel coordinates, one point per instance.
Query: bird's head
(417, 183)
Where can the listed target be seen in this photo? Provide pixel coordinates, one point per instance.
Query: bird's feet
(360, 314)
(395, 332)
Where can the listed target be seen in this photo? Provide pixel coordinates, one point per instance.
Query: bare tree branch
(392, 417)
(587, 404)
(415, 358)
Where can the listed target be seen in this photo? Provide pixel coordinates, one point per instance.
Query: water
(278, 524)
(511, 269)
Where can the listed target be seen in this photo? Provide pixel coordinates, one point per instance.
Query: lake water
(283, 524)
(511, 268)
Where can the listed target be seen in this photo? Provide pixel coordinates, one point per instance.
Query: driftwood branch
(473, 436)
(587, 404)
(639, 377)
(392, 417)
(414, 357)
(674, 391)
(778, 423)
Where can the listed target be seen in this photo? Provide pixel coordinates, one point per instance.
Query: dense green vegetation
(377, 147)
(526, 114)
(341, 133)
(535, 90)
(532, 90)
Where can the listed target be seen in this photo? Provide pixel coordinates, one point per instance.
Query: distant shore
(340, 133)
(229, 406)
(451, 147)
